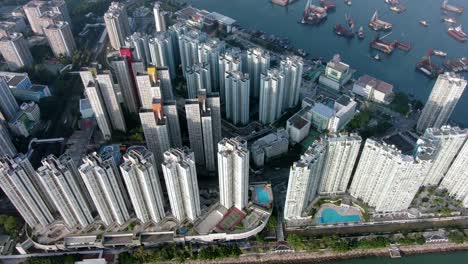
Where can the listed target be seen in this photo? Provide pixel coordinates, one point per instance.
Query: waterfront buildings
(446, 143)
(229, 61)
(204, 125)
(159, 17)
(341, 156)
(237, 97)
(180, 175)
(23, 194)
(386, 179)
(258, 62)
(272, 93)
(456, 179)
(337, 73)
(60, 184)
(15, 51)
(8, 105)
(60, 39)
(292, 68)
(104, 184)
(198, 78)
(124, 77)
(209, 52)
(117, 25)
(270, 146)
(444, 97)
(233, 172)
(373, 89)
(141, 178)
(304, 179)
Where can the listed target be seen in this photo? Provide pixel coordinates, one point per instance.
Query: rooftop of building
(338, 66)
(323, 110)
(377, 84)
(272, 138)
(222, 18)
(298, 121)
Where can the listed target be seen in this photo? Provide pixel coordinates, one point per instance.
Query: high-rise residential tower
(8, 105)
(188, 48)
(162, 52)
(233, 172)
(142, 180)
(102, 181)
(6, 146)
(97, 104)
(209, 52)
(106, 87)
(60, 39)
(272, 90)
(341, 156)
(304, 179)
(258, 62)
(15, 51)
(125, 79)
(446, 143)
(117, 25)
(159, 17)
(180, 175)
(444, 97)
(237, 97)
(231, 60)
(19, 189)
(456, 179)
(386, 179)
(292, 67)
(198, 78)
(67, 197)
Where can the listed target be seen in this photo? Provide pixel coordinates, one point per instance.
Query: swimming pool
(330, 216)
(262, 195)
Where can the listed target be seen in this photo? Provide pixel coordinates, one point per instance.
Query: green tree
(11, 225)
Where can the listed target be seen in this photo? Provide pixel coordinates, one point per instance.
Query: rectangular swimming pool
(263, 196)
(329, 216)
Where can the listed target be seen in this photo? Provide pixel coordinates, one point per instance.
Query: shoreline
(317, 257)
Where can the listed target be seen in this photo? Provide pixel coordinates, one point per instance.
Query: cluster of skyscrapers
(48, 18)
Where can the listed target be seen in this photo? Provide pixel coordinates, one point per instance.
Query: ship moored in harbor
(360, 33)
(343, 31)
(449, 20)
(376, 24)
(457, 65)
(329, 5)
(451, 8)
(439, 53)
(283, 2)
(426, 66)
(457, 33)
(313, 14)
(424, 23)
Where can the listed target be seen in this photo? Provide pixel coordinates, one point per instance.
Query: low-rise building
(336, 74)
(269, 146)
(23, 89)
(25, 120)
(373, 89)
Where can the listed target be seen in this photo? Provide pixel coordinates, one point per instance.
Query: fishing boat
(377, 57)
(343, 31)
(424, 23)
(457, 33)
(348, 2)
(361, 33)
(313, 14)
(350, 21)
(439, 53)
(449, 20)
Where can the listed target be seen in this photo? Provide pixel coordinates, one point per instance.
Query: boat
(427, 67)
(376, 24)
(392, 2)
(450, 8)
(457, 33)
(457, 65)
(343, 31)
(424, 23)
(449, 20)
(329, 5)
(439, 53)
(350, 21)
(313, 14)
(361, 33)
(348, 2)
(282, 2)
(403, 46)
(398, 8)
(377, 57)
(382, 45)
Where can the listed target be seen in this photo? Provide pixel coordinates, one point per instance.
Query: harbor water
(320, 41)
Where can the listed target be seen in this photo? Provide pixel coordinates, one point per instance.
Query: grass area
(361, 124)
